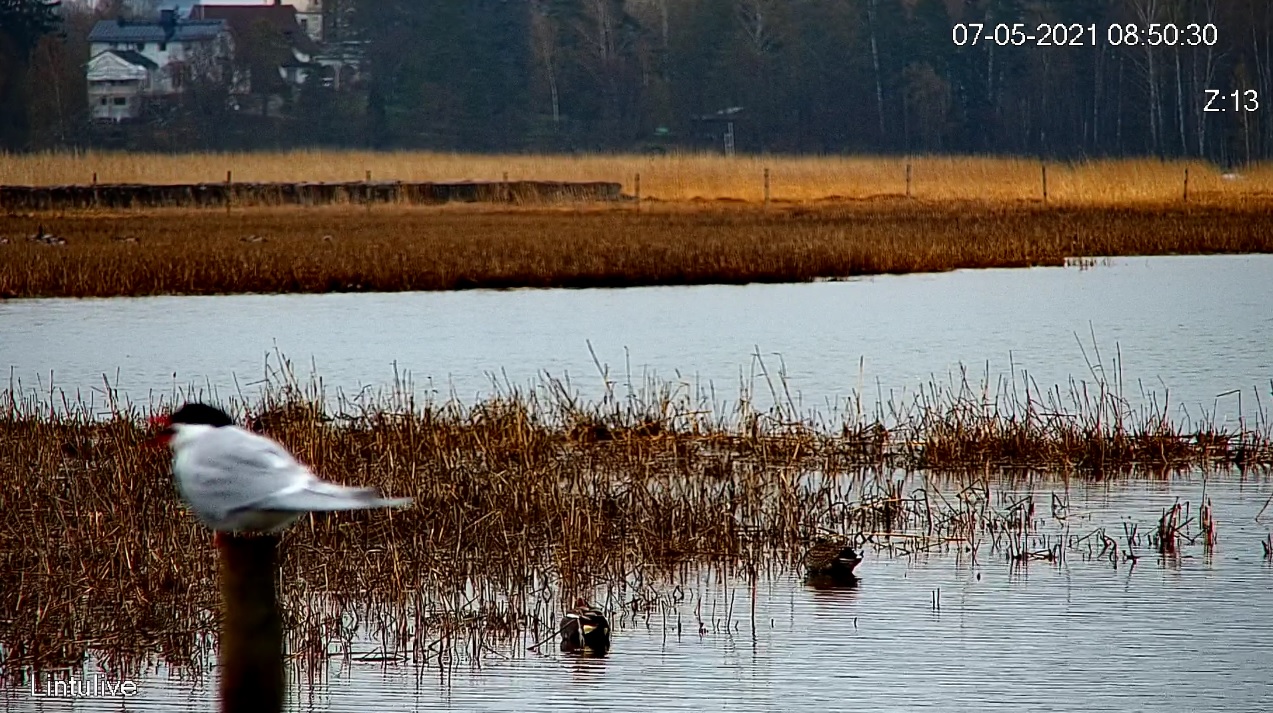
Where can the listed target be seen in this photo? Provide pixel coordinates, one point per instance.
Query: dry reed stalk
(1169, 531)
(1207, 523)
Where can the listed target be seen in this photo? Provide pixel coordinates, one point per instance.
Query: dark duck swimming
(584, 630)
(831, 562)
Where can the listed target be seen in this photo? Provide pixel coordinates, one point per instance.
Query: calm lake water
(1188, 328)
(1187, 635)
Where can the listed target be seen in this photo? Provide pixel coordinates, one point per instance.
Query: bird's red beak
(163, 431)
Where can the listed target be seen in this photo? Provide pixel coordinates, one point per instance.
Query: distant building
(117, 80)
(270, 42)
(264, 52)
(309, 13)
(295, 39)
(134, 60)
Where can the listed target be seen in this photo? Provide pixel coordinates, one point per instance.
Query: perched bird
(584, 629)
(238, 481)
(831, 561)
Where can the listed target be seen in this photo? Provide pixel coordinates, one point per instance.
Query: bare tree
(543, 29)
(1146, 12)
(875, 64)
(756, 19)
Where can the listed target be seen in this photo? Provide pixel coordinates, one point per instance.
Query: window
(102, 101)
(141, 46)
(121, 101)
(163, 46)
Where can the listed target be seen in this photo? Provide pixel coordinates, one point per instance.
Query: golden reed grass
(394, 248)
(531, 498)
(678, 176)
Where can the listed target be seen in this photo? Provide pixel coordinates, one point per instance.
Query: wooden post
(1044, 166)
(766, 187)
(95, 199)
(908, 180)
(637, 189)
(367, 191)
(229, 180)
(253, 679)
(1186, 196)
(508, 190)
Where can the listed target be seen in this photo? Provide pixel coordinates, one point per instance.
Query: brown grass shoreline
(390, 249)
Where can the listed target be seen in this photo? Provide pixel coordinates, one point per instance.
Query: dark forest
(1134, 78)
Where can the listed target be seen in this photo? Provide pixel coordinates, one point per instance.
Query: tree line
(822, 76)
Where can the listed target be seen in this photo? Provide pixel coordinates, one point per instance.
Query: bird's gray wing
(318, 496)
(231, 469)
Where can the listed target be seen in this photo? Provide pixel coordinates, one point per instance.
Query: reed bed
(339, 249)
(531, 498)
(679, 176)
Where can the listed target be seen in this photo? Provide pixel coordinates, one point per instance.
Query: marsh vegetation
(525, 501)
(398, 249)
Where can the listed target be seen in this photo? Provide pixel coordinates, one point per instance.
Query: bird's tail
(327, 497)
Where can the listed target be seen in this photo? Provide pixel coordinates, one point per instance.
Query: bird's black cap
(203, 414)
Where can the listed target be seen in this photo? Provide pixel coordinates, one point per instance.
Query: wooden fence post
(253, 678)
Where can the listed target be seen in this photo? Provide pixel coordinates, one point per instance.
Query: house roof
(112, 66)
(243, 19)
(135, 57)
(155, 31)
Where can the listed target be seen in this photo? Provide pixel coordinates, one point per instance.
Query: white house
(309, 14)
(134, 59)
(117, 79)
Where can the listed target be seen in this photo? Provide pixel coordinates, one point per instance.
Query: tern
(239, 481)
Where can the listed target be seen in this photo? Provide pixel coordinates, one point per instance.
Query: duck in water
(831, 562)
(585, 630)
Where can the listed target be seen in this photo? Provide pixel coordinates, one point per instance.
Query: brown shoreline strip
(212, 195)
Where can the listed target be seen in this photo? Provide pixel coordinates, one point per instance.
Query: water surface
(1188, 329)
